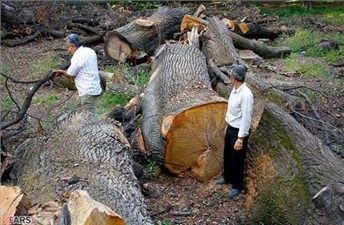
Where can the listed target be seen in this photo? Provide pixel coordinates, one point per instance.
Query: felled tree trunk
(217, 44)
(83, 153)
(290, 166)
(180, 106)
(13, 201)
(143, 35)
(256, 31)
(259, 48)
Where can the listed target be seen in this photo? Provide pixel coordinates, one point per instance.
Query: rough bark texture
(83, 153)
(127, 41)
(217, 43)
(180, 105)
(290, 166)
(261, 49)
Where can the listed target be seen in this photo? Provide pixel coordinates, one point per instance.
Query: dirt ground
(176, 200)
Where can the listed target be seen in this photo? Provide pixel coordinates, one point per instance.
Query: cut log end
(13, 201)
(86, 211)
(195, 139)
(117, 47)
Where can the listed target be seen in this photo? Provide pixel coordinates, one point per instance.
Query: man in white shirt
(84, 70)
(238, 118)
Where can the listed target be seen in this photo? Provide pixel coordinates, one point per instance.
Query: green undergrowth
(109, 100)
(41, 66)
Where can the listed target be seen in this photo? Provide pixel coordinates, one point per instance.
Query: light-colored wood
(144, 23)
(13, 201)
(183, 117)
(190, 22)
(86, 211)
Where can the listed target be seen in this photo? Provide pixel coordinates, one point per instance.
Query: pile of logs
(183, 123)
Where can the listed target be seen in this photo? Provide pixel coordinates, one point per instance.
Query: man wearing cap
(84, 70)
(238, 118)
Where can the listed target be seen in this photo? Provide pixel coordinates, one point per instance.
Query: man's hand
(59, 72)
(238, 144)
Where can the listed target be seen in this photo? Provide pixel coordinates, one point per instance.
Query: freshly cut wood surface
(13, 201)
(86, 211)
(183, 117)
(195, 140)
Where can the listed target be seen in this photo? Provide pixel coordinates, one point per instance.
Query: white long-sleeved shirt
(240, 108)
(84, 67)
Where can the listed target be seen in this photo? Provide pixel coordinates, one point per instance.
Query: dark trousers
(234, 161)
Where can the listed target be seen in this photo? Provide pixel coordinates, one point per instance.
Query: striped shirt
(84, 67)
(240, 108)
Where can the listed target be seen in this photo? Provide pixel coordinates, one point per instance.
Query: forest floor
(176, 199)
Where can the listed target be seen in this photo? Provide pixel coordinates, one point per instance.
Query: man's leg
(238, 165)
(88, 102)
(229, 154)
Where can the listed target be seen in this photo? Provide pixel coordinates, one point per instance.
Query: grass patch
(43, 65)
(7, 103)
(315, 69)
(109, 100)
(308, 69)
(302, 40)
(47, 101)
(142, 78)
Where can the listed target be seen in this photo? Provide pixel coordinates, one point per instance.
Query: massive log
(83, 153)
(180, 106)
(143, 35)
(290, 165)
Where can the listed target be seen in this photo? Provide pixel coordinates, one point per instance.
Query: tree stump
(180, 107)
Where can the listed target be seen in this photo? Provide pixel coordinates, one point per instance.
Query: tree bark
(290, 166)
(145, 35)
(218, 45)
(93, 156)
(180, 106)
(261, 49)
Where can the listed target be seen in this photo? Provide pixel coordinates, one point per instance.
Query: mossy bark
(288, 165)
